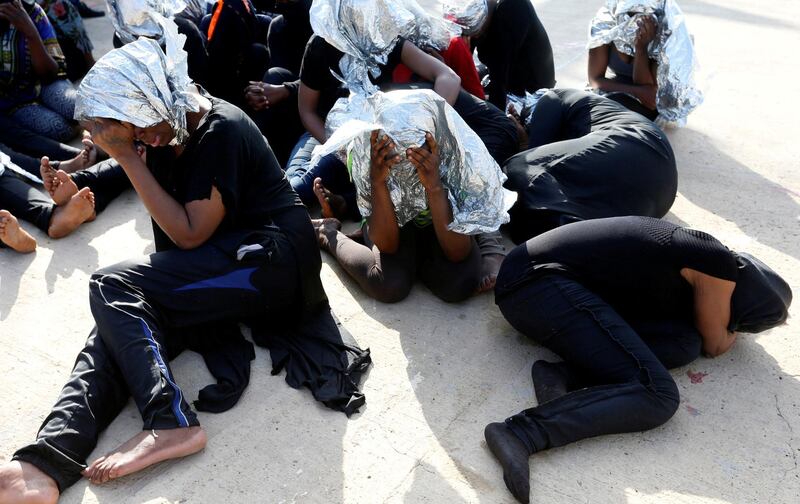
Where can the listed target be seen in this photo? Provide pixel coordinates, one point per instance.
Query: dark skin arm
(456, 246)
(445, 81)
(307, 102)
(382, 222)
(44, 66)
(188, 226)
(712, 310)
(260, 95)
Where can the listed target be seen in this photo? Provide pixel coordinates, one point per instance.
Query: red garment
(458, 57)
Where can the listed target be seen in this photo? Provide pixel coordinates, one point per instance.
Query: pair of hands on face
(425, 159)
(260, 95)
(18, 18)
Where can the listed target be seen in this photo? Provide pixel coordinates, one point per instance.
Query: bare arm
(382, 222)
(445, 81)
(307, 102)
(44, 66)
(188, 226)
(598, 64)
(712, 310)
(456, 246)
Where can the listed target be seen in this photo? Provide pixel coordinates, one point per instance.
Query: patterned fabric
(51, 115)
(67, 21)
(18, 84)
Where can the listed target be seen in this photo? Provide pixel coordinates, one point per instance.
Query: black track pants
(137, 306)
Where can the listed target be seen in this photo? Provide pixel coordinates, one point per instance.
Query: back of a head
(761, 298)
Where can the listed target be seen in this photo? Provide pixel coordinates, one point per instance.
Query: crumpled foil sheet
(366, 31)
(473, 180)
(468, 14)
(137, 18)
(140, 84)
(524, 105)
(672, 48)
(196, 9)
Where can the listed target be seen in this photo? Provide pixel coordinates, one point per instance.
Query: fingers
(431, 143)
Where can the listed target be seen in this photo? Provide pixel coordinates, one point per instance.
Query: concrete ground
(442, 372)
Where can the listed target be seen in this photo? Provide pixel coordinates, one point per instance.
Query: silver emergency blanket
(138, 18)
(6, 163)
(366, 31)
(473, 180)
(140, 84)
(524, 105)
(468, 14)
(672, 48)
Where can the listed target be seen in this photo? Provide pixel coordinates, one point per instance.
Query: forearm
(610, 86)
(717, 342)
(44, 66)
(170, 215)
(314, 125)
(641, 68)
(382, 222)
(456, 246)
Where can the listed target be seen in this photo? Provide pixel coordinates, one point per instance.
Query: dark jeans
(629, 388)
(631, 103)
(333, 172)
(140, 308)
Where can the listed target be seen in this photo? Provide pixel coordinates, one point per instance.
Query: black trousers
(280, 123)
(26, 147)
(140, 308)
(624, 365)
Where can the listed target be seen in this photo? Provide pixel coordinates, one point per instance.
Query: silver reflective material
(141, 84)
(524, 105)
(473, 180)
(616, 22)
(137, 18)
(196, 9)
(468, 14)
(366, 31)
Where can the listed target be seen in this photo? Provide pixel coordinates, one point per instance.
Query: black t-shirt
(517, 52)
(321, 58)
(633, 263)
(226, 151)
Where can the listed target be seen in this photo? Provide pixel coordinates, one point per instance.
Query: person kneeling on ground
(233, 243)
(621, 300)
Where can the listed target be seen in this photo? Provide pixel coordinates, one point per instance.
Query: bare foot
(326, 231)
(67, 218)
(24, 483)
(48, 174)
(63, 188)
(145, 449)
(85, 158)
(333, 205)
(513, 456)
(14, 236)
(490, 265)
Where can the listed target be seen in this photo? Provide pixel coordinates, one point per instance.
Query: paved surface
(442, 372)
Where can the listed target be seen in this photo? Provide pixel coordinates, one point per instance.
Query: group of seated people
(218, 123)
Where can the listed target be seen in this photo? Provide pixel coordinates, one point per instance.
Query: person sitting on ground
(32, 94)
(514, 46)
(75, 43)
(588, 157)
(233, 243)
(621, 300)
(633, 81)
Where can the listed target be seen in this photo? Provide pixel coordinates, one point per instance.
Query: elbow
(189, 242)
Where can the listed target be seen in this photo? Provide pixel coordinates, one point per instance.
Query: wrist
(434, 189)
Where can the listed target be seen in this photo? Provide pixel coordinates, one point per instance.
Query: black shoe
(87, 12)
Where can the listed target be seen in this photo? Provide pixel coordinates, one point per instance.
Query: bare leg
(513, 456)
(14, 236)
(67, 218)
(24, 483)
(333, 205)
(145, 449)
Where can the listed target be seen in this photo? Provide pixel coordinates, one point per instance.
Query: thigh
(44, 121)
(584, 330)
(449, 281)
(59, 96)
(209, 283)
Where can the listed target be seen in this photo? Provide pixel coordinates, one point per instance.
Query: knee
(391, 288)
(666, 399)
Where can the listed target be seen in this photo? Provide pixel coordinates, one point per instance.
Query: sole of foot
(490, 266)
(24, 483)
(145, 449)
(325, 229)
(67, 218)
(14, 236)
(64, 188)
(332, 205)
(513, 456)
(549, 381)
